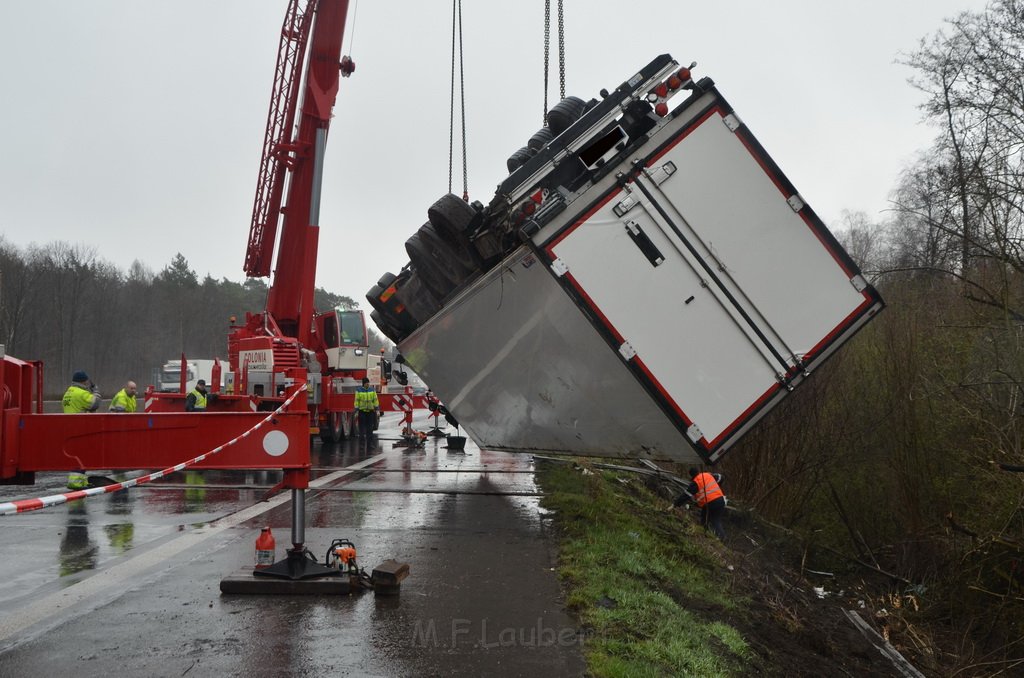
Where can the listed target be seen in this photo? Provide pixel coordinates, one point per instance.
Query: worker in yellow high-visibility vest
(124, 400)
(367, 405)
(195, 401)
(81, 396)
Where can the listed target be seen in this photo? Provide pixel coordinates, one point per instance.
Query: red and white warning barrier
(24, 505)
(402, 403)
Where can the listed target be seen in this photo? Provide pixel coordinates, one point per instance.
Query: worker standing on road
(367, 406)
(705, 492)
(196, 400)
(81, 396)
(124, 400)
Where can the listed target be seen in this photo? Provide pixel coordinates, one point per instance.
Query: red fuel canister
(265, 548)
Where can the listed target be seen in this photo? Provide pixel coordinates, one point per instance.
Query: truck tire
(540, 139)
(437, 264)
(385, 327)
(451, 217)
(518, 159)
(565, 113)
(390, 309)
(419, 302)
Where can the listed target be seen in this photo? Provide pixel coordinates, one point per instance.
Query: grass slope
(647, 586)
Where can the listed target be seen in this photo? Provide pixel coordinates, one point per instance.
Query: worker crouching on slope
(196, 400)
(124, 400)
(366, 405)
(705, 492)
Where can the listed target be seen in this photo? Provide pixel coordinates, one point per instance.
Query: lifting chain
(547, 51)
(457, 39)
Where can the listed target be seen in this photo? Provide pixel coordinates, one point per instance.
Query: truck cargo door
(712, 279)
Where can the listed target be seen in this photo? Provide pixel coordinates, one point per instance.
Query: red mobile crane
(272, 354)
(331, 345)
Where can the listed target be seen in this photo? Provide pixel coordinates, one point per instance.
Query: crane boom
(290, 301)
(266, 207)
(330, 346)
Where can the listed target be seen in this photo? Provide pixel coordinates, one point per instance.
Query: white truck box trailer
(671, 287)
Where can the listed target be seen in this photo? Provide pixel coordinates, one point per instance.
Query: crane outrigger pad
(245, 582)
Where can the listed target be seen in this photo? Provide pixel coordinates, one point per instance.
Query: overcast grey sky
(136, 126)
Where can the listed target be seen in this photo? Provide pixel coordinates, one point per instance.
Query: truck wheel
(518, 159)
(451, 217)
(565, 113)
(430, 274)
(390, 310)
(384, 326)
(540, 139)
(419, 302)
(436, 263)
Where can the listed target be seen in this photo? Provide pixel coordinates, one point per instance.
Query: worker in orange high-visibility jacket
(705, 491)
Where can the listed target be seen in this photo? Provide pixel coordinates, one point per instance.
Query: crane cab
(345, 341)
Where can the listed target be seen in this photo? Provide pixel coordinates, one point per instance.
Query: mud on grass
(657, 595)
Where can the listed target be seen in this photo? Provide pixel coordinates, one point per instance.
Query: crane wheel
(339, 427)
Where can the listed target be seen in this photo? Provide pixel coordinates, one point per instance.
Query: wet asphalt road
(128, 584)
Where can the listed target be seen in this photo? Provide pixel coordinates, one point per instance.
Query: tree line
(63, 304)
(901, 453)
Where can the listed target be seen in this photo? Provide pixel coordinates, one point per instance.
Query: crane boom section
(291, 295)
(266, 209)
(290, 301)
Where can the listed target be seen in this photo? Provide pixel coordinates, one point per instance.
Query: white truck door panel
(688, 341)
(739, 214)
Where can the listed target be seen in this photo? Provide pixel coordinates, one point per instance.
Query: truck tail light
(684, 74)
(674, 82)
(661, 90)
(661, 109)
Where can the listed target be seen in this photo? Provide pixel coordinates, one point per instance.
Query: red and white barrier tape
(24, 505)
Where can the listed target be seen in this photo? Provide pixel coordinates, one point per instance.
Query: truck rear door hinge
(694, 433)
(624, 205)
(559, 267)
(659, 174)
(795, 202)
(859, 283)
(732, 121)
(627, 351)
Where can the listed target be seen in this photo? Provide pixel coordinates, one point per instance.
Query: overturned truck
(645, 283)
